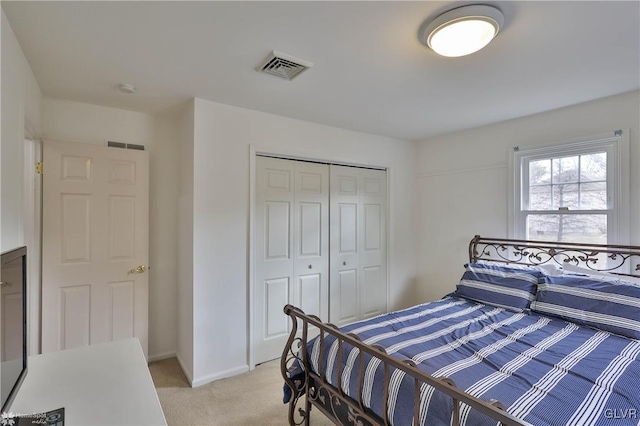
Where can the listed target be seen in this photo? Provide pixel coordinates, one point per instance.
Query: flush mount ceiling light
(463, 30)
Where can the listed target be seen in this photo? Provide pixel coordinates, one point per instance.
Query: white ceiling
(370, 73)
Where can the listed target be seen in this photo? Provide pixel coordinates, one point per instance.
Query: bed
(527, 338)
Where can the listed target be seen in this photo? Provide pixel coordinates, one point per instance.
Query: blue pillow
(612, 306)
(507, 287)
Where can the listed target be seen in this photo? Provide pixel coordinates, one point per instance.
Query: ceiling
(370, 73)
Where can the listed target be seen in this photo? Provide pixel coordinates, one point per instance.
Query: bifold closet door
(358, 245)
(291, 248)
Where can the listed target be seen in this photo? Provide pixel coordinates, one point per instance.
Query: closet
(320, 244)
(358, 242)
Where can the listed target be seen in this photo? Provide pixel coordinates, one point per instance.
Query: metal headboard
(620, 260)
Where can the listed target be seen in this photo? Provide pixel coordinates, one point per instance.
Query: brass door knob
(139, 270)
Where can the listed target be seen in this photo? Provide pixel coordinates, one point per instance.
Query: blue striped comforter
(544, 370)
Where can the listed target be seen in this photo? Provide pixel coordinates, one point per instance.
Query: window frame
(614, 143)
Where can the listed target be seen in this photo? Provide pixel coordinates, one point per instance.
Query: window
(572, 192)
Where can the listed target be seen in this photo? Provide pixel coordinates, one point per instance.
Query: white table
(105, 384)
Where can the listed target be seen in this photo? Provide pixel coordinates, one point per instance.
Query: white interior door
(358, 255)
(291, 248)
(95, 245)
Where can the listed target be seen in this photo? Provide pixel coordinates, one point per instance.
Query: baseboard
(162, 356)
(220, 375)
(186, 372)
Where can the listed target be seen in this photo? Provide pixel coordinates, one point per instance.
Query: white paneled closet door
(291, 248)
(358, 258)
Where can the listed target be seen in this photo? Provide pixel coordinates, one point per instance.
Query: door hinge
(39, 167)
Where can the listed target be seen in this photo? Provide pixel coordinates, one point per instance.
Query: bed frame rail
(331, 399)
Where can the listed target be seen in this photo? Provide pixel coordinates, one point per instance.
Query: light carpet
(253, 398)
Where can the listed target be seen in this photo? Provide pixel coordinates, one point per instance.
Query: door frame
(32, 202)
(300, 155)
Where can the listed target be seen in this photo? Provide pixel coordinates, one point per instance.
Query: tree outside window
(567, 197)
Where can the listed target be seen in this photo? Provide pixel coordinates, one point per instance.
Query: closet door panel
(311, 259)
(358, 207)
(276, 292)
(373, 256)
(373, 291)
(372, 227)
(348, 228)
(274, 248)
(277, 225)
(347, 285)
(310, 229)
(310, 293)
(344, 261)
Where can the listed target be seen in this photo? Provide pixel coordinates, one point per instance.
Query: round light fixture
(463, 30)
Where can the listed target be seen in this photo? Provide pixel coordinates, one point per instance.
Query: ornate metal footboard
(315, 390)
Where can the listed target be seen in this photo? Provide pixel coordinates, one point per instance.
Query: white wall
(20, 110)
(185, 242)
(222, 136)
(70, 121)
(163, 236)
(21, 99)
(462, 180)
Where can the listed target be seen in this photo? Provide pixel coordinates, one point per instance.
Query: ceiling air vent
(283, 65)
